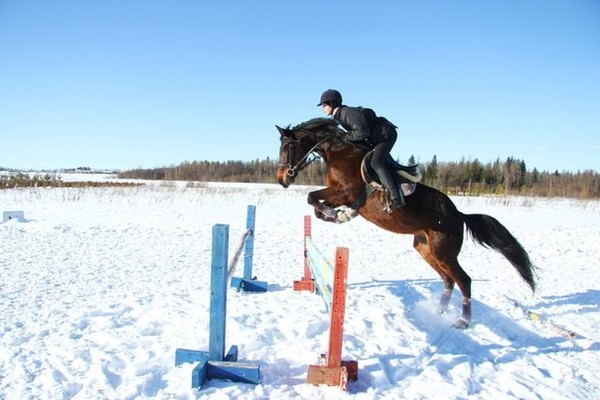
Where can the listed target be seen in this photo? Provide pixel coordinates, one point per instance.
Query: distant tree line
(23, 180)
(509, 177)
(210, 171)
(469, 177)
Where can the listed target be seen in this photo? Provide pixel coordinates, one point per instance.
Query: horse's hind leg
(420, 244)
(447, 294)
(464, 283)
(441, 250)
(451, 265)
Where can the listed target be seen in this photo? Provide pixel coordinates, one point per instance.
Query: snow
(100, 286)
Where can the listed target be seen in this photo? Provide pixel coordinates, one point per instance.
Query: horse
(429, 215)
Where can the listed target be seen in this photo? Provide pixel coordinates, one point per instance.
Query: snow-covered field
(98, 287)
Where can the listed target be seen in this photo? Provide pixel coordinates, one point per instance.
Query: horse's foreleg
(326, 214)
(317, 199)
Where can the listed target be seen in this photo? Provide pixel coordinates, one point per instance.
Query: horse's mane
(320, 127)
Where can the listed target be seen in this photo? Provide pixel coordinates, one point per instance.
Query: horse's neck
(334, 148)
(345, 159)
(319, 142)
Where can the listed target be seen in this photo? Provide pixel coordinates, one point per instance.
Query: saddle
(409, 175)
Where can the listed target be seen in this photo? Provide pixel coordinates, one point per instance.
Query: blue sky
(144, 83)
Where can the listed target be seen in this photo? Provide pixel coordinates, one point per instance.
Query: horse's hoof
(328, 214)
(460, 324)
(325, 218)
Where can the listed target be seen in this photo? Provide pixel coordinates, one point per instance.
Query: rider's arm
(354, 121)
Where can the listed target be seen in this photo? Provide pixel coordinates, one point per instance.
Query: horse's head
(301, 145)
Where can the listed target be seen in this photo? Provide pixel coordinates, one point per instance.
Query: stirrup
(390, 206)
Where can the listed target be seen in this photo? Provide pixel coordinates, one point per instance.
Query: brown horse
(429, 214)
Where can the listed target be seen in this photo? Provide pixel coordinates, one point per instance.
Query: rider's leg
(378, 162)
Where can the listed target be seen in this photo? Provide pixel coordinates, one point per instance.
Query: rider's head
(332, 98)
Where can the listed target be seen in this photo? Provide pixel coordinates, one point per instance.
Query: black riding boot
(396, 197)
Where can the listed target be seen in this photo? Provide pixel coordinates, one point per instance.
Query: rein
(304, 161)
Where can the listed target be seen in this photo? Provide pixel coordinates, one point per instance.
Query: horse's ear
(283, 131)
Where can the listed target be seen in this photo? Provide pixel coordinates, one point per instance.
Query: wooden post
(215, 364)
(249, 283)
(338, 308)
(334, 371)
(330, 281)
(249, 245)
(218, 292)
(306, 283)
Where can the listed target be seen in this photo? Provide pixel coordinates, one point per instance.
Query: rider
(363, 126)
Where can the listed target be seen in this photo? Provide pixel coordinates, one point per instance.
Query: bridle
(307, 159)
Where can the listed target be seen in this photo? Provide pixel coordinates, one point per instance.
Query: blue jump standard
(248, 283)
(215, 364)
(208, 369)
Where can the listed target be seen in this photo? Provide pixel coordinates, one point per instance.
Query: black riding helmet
(331, 97)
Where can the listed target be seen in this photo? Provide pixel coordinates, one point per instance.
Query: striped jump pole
(330, 282)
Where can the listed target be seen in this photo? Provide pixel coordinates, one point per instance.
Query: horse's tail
(488, 232)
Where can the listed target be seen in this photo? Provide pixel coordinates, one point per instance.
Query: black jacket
(363, 125)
